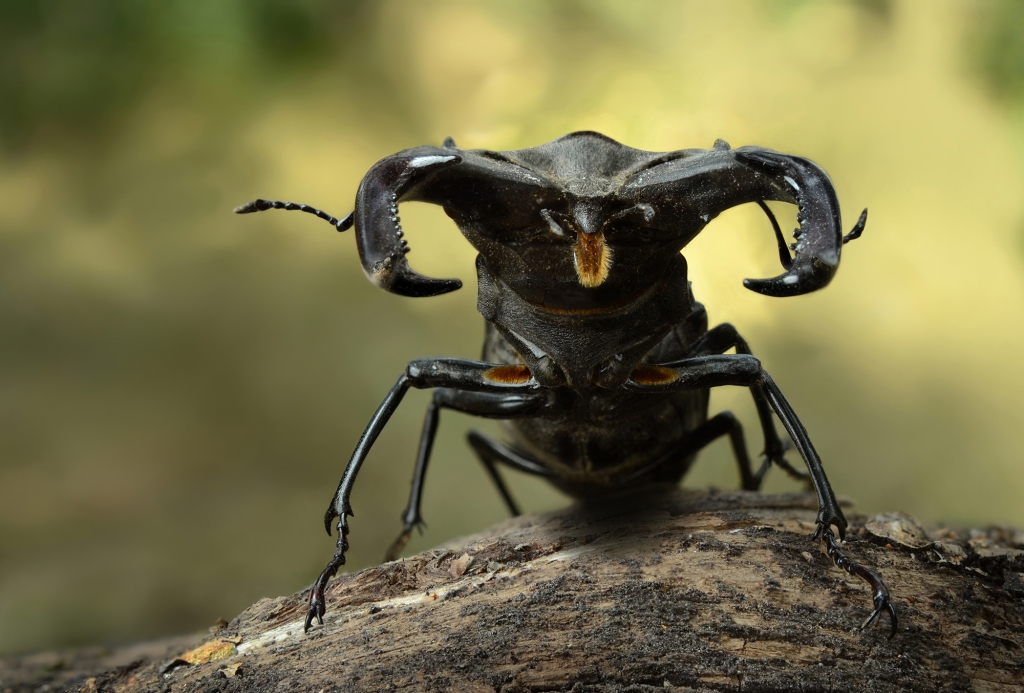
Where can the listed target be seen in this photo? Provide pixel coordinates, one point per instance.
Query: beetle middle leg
(718, 340)
(744, 370)
(483, 404)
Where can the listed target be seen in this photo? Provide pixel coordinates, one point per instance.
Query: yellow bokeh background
(181, 387)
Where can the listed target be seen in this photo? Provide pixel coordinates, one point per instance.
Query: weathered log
(676, 590)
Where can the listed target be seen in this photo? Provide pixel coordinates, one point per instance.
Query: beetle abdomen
(607, 434)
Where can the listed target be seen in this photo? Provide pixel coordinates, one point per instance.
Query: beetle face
(567, 233)
(563, 262)
(585, 223)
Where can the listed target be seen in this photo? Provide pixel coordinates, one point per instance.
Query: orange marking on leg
(509, 375)
(653, 375)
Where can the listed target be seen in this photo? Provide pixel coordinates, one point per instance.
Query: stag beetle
(596, 357)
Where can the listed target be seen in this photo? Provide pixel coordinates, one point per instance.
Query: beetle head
(584, 221)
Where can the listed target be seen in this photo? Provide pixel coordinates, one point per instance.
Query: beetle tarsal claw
(880, 597)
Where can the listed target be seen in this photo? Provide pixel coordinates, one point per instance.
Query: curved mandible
(695, 186)
(382, 248)
(819, 239)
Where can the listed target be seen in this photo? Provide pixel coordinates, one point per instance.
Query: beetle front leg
(743, 370)
(460, 374)
(824, 529)
(829, 512)
(340, 507)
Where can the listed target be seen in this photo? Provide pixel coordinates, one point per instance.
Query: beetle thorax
(584, 349)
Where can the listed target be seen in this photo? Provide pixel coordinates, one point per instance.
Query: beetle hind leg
(490, 452)
(722, 424)
(485, 450)
(718, 340)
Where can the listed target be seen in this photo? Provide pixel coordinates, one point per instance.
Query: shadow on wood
(674, 590)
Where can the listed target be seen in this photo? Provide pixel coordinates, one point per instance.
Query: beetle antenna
(784, 256)
(643, 208)
(343, 224)
(857, 229)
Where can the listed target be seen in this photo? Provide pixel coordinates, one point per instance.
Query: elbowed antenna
(784, 257)
(343, 224)
(858, 228)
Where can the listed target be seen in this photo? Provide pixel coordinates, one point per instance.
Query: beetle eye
(553, 225)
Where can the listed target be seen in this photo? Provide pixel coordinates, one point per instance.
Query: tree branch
(677, 589)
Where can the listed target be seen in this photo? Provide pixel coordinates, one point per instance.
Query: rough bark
(675, 590)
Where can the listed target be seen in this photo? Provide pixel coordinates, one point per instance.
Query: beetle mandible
(596, 357)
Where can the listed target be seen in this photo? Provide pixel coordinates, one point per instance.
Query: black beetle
(597, 357)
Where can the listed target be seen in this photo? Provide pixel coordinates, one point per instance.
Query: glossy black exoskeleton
(597, 357)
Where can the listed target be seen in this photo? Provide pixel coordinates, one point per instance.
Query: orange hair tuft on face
(592, 258)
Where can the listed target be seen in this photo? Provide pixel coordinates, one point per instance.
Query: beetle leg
(720, 339)
(723, 423)
(704, 372)
(881, 592)
(484, 404)
(340, 506)
(459, 374)
(488, 452)
(829, 513)
(411, 518)
(491, 451)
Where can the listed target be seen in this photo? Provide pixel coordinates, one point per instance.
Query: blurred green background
(181, 387)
